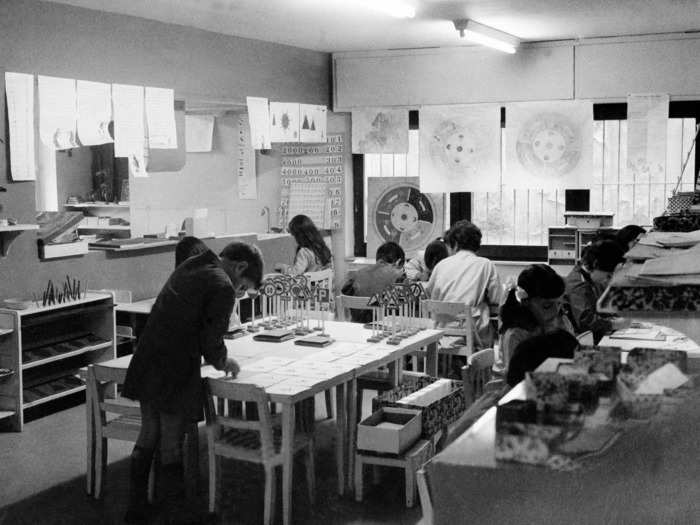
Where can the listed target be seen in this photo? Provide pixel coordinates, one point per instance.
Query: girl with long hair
(312, 253)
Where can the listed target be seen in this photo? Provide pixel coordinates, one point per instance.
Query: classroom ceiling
(343, 25)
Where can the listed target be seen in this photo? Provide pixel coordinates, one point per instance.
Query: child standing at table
(312, 253)
(421, 266)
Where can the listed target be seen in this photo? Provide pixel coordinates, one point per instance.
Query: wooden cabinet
(566, 242)
(43, 347)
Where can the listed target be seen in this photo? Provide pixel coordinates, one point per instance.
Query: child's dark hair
(435, 252)
(538, 280)
(188, 247)
(602, 255)
(391, 253)
(627, 234)
(307, 235)
(464, 235)
(242, 252)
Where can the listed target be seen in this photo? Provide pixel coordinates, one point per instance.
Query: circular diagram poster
(549, 145)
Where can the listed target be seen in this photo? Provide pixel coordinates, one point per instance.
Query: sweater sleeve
(303, 260)
(415, 268)
(217, 312)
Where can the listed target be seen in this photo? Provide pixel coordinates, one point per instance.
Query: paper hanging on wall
(647, 129)
(284, 122)
(160, 118)
(129, 131)
(310, 199)
(460, 148)
(549, 145)
(19, 89)
(199, 132)
(259, 121)
(247, 182)
(57, 112)
(313, 123)
(94, 112)
(380, 130)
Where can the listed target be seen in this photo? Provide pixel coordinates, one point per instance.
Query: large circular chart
(549, 144)
(404, 215)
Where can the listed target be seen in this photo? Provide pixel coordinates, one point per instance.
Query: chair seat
(249, 440)
(124, 428)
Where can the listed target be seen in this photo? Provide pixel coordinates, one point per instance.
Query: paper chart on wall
(57, 112)
(129, 130)
(284, 122)
(380, 130)
(199, 132)
(313, 121)
(94, 112)
(246, 174)
(549, 145)
(19, 89)
(160, 118)
(647, 128)
(460, 148)
(259, 119)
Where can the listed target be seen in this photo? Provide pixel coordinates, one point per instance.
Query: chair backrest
(455, 318)
(99, 381)
(585, 338)
(476, 374)
(232, 391)
(343, 303)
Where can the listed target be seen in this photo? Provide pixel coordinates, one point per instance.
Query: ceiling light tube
(395, 8)
(486, 36)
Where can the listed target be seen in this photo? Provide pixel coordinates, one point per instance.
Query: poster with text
(259, 119)
(58, 115)
(19, 90)
(460, 148)
(380, 130)
(549, 145)
(94, 112)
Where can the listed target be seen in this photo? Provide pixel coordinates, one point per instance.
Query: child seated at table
(421, 266)
(532, 308)
(312, 253)
(387, 270)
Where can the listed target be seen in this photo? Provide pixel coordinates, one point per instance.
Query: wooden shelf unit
(46, 346)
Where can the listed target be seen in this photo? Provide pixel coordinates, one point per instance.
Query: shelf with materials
(45, 348)
(90, 205)
(107, 227)
(9, 233)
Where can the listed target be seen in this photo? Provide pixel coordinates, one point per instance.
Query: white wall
(599, 68)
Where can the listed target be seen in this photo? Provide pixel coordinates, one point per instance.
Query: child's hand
(231, 367)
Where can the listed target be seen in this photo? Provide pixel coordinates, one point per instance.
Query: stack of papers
(668, 377)
(646, 334)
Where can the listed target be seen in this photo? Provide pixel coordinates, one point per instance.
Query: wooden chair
(378, 382)
(253, 441)
(426, 500)
(457, 320)
(126, 426)
(476, 374)
(324, 279)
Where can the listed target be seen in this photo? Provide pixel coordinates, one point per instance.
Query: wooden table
(649, 475)
(281, 363)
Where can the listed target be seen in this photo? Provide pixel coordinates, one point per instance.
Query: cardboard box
(389, 430)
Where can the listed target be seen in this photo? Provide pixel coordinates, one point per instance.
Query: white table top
(138, 307)
(674, 340)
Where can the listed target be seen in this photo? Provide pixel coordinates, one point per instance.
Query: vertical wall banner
(313, 122)
(284, 122)
(647, 128)
(313, 179)
(380, 130)
(199, 133)
(549, 145)
(245, 169)
(460, 148)
(259, 118)
(58, 112)
(94, 112)
(129, 129)
(19, 89)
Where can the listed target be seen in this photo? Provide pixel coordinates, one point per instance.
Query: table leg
(90, 441)
(431, 359)
(396, 371)
(341, 434)
(352, 431)
(288, 416)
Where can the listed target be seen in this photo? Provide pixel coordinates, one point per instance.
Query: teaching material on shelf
(19, 90)
(58, 236)
(97, 204)
(135, 243)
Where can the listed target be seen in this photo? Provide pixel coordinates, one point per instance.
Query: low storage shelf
(46, 346)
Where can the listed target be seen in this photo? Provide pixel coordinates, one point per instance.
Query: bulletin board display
(313, 182)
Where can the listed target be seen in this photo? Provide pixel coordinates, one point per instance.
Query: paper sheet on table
(264, 380)
(57, 112)
(259, 119)
(129, 130)
(650, 334)
(287, 387)
(199, 133)
(268, 364)
(667, 377)
(19, 89)
(160, 118)
(210, 371)
(94, 112)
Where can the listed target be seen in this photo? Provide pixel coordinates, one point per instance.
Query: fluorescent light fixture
(486, 36)
(395, 8)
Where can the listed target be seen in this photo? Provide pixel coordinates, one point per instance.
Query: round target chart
(406, 216)
(549, 144)
(456, 147)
